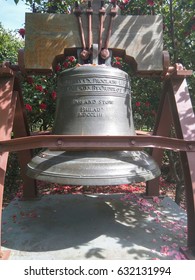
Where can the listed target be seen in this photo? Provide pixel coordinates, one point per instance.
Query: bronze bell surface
(93, 100)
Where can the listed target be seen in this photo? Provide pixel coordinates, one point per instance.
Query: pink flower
(165, 250)
(43, 106)
(71, 58)
(39, 87)
(147, 104)
(30, 80)
(174, 245)
(21, 31)
(165, 238)
(180, 235)
(156, 200)
(54, 95)
(58, 68)
(157, 220)
(118, 63)
(137, 104)
(186, 33)
(150, 3)
(122, 6)
(65, 64)
(28, 107)
(193, 27)
(179, 256)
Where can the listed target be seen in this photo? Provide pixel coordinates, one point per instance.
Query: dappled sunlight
(119, 226)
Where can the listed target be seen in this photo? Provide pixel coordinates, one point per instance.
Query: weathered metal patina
(93, 100)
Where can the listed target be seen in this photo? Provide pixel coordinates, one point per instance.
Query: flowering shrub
(145, 100)
(145, 97)
(9, 45)
(21, 31)
(39, 94)
(68, 62)
(118, 62)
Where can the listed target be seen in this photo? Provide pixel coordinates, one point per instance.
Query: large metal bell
(93, 100)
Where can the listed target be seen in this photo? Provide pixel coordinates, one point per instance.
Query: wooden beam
(48, 35)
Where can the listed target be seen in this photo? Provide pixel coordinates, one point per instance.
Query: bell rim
(76, 173)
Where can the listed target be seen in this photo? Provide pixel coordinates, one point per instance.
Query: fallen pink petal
(165, 250)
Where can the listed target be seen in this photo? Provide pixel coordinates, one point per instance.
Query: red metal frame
(175, 105)
(7, 106)
(21, 129)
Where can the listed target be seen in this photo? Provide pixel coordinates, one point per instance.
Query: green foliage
(145, 101)
(9, 45)
(39, 93)
(54, 6)
(29, 1)
(145, 97)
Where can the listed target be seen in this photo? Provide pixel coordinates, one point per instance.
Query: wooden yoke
(138, 39)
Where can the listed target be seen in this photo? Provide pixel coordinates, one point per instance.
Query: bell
(93, 100)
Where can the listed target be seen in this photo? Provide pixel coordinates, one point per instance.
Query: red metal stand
(12, 115)
(7, 108)
(175, 105)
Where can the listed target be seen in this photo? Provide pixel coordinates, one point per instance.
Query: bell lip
(83, 176)
(114, 181)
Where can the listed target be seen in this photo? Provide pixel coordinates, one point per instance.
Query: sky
(12, 16)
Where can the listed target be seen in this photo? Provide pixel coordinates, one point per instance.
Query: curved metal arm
(76, 142)
(105, 52)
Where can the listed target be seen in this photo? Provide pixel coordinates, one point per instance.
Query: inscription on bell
(90, 112)
(95, 88)
(89, 107)
(99, 85)
(93, 115)
(91, 101)
(108, 81)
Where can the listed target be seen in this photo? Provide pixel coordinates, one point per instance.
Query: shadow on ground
(93, 227)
